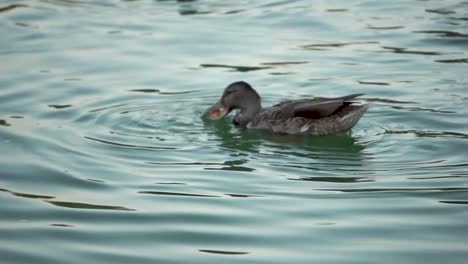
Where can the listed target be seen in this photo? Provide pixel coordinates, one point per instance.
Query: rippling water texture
(106, 156)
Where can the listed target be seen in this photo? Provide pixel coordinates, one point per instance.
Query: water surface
(106, 156)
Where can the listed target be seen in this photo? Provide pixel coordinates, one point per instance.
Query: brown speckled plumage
(318, 116)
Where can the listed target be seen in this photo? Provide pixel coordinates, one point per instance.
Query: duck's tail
(354, 113)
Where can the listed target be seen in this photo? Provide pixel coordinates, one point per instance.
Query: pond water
(105, 156)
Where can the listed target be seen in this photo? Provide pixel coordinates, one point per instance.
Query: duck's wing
(318, 107)
(310, 116)
(303, 109)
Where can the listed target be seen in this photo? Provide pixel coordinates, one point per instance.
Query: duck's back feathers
(310, 116)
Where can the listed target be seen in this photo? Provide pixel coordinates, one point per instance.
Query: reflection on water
(106, 156)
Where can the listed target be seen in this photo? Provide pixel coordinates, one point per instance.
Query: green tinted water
(105, 156)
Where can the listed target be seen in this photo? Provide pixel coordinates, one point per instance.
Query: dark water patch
(282, 73)
(452, 23)
(233, 168)
(27, 195)
(316, 167)
(315, 49)
(385, 28)
(398, 190)
(134, 135)
(128, 145)
(191, 12)
(337, 10)
(459, 18)
(436, 177)
(60, 106)
(414, 52)
(431, 134)
(22, 24)
(235, 68)
(236, 195)
(443, 33)
(337, 45)
(184, 163)
(284, 63)
(176, 93)
(334, 179)
(171, 183)
(421, 109)
(106, 108)
(387, 167)
(228, 165)
(404, 166)
(464, 60)
(11, 7)
(177, 194)
(440, 11)
(145, 90)
(161, 92)
(223, 252)
(72, 79)
(87, 206)
(17, 117)
(4, 123)
(94, 180)
(373, 83)
(61, 225)
(134, 111)
(455, 202)
(235, 11)
(388, 101)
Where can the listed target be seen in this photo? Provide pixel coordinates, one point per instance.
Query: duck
(314, 116)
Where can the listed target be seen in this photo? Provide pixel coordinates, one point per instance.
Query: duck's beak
(218, 111)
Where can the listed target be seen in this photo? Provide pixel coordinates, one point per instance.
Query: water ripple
(336, 45)
(11, 7)
(413, 52)
(464, 60)
(455, 202)
(398, 190)
(27, 195)
(434, 134)
(443, 33)
(235, 68)
(126, 145)
(75, 205)
(223, 252)
(176, 194)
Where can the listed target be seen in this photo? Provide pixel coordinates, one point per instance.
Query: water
(105, 156)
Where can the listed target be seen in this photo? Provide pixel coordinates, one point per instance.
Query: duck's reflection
(337, 148)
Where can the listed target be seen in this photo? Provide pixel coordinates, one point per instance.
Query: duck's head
(238, 95)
